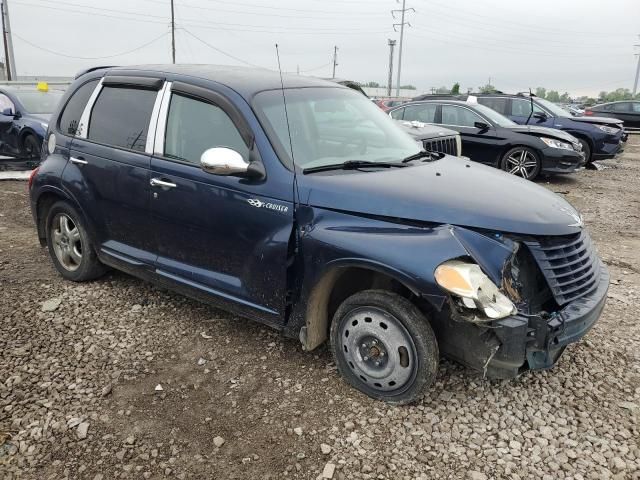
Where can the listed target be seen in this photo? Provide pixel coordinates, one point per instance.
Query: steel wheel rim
(521, 163)
(378, 349)
(67, 244)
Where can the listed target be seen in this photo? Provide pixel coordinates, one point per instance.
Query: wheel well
(24, 136)
(580, 136)
(45, 201)
(336, 286)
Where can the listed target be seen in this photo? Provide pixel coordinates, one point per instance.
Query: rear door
(108, 171)
(634, 118)
(622, 111)
(478, 144)
(222, 237)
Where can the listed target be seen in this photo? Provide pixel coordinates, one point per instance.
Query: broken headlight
(476, 291)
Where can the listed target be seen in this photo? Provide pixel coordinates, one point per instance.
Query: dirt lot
(80, 364)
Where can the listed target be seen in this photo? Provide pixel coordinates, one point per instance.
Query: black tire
(421, 346)
(532, 158)
(31, 147)
(586, 149)
(77, 268)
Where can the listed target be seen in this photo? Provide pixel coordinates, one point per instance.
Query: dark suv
(601, 137)
(190, 177)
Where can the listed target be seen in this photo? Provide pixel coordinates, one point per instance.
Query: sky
(579, 46)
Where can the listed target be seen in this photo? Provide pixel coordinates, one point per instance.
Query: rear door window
(75, 106)
(194, 126)
(635, 107)
(422, 113)
(497, 104)
(459, 116)
(397, 114)
(120, 117)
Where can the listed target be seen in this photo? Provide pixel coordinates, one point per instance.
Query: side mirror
(481, 125)
(540, 115)
(7, 112)
(223, 161)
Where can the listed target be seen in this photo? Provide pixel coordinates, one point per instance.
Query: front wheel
(586, 149)
(31, 147)
(521, 161)
(384, 346)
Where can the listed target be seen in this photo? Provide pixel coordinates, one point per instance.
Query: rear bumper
(505, 348)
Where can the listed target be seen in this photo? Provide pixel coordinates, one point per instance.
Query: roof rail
(526, 94)
(92, 69)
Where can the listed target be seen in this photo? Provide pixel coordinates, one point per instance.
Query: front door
(521, 113)
(479, 144)
(216, 236)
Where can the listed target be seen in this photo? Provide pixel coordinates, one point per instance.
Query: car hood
(599, 120)
(446, 191)
(543, 132)
(424, 131)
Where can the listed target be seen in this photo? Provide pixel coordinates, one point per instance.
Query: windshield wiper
(418, 156)
(352, 165)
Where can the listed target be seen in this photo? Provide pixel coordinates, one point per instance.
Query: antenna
(531, 112)
(286, 116)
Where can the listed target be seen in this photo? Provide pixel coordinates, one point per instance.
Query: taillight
(31, 175)
(588, 112)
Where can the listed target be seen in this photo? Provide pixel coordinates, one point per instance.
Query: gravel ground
(118, 379)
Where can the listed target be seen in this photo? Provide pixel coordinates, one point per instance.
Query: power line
(226, 54)
(206, 24)
(53, 52)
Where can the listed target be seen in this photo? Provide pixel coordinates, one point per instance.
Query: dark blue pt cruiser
(307, 208)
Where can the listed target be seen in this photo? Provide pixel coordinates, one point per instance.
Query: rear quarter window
(120, 117)
(72, 112)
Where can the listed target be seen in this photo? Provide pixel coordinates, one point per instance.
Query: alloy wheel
(522, 163)
(378, 349)
(67, 243)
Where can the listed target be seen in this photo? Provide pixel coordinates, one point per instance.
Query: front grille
(446, 145)
(569, 263)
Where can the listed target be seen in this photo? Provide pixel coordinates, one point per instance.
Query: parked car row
(298, 203)
(493, 139)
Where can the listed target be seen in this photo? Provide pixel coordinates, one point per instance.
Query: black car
(201, 179)
(627, 111)
(492, 139)
(601, 137)
(24, 118)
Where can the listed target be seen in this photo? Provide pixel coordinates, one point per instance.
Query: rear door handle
(78, 160)
(156, 182)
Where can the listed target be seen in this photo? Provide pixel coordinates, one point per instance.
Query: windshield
(331, 125)
(39, 102)
(495, 117)
(556, 110)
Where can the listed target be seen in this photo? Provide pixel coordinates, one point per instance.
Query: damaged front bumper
(507, 347)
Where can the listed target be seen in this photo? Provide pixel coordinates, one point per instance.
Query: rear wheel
(70, 247)
(384, 346)
(521, 161)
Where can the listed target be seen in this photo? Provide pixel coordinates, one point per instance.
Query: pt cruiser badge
(254, 202)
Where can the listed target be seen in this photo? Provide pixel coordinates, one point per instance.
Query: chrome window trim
(161, 123)
(153, 121)
(81, 131)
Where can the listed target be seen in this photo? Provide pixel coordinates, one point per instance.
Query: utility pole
(635, 83)
(392, 44)
(401, 25)
(173, 34)
(9, 58)
(335, 61)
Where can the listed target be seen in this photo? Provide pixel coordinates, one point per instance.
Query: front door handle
(78, 160)
(156, 182)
